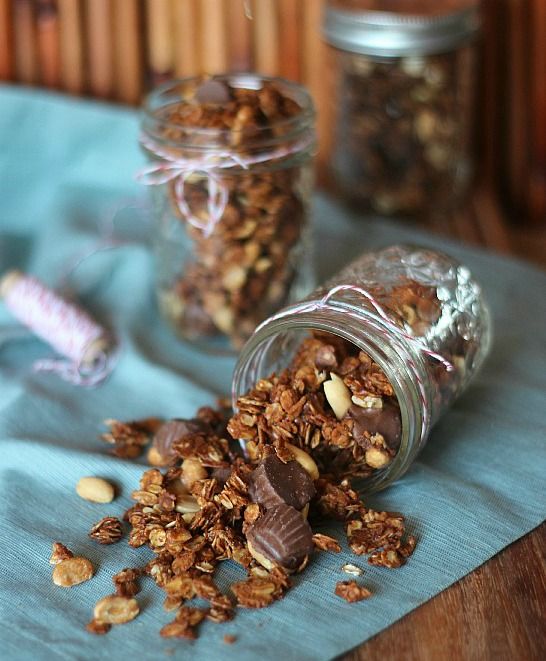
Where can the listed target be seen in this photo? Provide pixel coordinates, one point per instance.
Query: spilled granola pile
(205, 501)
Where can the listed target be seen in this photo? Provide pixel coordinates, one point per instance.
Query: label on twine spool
(66, 327)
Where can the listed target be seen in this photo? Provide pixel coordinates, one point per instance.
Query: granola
(218, 517)
(98, 628)
(59, 553)
(115, 609)
(129, 438)
(403, 130)
(348, 423)
(326, 543)
(211, 503)
(351, 591)
(107, 531)
(231, 277)
(126, 582)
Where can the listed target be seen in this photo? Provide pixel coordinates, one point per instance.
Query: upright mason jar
(231, 176)
(404, 100)
(419, 315)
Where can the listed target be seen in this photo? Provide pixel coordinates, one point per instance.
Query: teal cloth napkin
(478, 485)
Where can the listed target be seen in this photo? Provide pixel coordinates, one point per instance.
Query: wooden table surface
(497, 612)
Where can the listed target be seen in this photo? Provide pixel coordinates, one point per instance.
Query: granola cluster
(403, 133)
(107, 531)
(231, 279)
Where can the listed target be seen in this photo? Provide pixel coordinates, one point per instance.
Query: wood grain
(537, 179)
(290, 30)
(24, 40)
(128, 70)
(240, 41)
(314, 75)
(71, 45)
(6, 52)
(213, 36)
(266, 36)
(48, 42)
(160, 39)
(496, 613)
(517, 160)
(100, 51)
(186, 38)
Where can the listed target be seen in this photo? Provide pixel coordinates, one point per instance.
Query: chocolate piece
(385, 421)
(221, 474)
(172, 431)
(212, 91)
(283, 536)
(275, 483)
(325, 358)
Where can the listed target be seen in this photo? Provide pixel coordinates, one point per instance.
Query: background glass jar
(231, 177)
(417, 313)
(404, 74)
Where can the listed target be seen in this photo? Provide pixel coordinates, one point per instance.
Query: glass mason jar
(404, 73)
(417, 313)
(231, 176)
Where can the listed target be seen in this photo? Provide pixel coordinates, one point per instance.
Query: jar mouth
(283, 335)
(173, 92)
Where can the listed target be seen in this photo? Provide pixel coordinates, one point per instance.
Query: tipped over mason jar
(231, 175)
(357, 373)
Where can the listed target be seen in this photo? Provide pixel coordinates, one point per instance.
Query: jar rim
(158, 98)
(413, 422)
(391, 34)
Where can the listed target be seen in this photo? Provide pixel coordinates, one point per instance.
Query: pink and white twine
(179, 169)
(64, 326)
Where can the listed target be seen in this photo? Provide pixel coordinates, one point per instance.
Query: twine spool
(66, 327)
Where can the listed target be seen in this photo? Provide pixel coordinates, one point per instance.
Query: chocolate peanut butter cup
(283, 536)
(275, 483)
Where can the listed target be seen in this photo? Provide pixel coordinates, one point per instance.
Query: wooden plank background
(118, 49)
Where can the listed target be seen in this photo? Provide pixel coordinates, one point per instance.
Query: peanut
(95, 489)
(259, 557)
(192, 470)
(377, 458)
(304, 460)
(115, 610)
(186, 504)
(72, 571)
(338, 395)
(156, 459)
(368, 402)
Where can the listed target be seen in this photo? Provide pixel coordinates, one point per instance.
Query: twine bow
(179, 169)
(324, 302)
